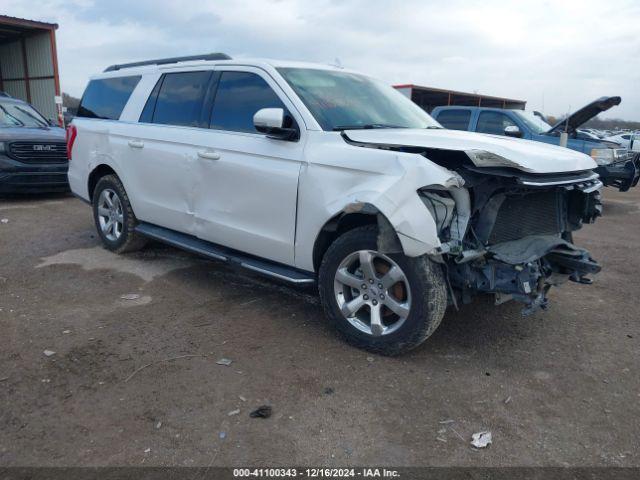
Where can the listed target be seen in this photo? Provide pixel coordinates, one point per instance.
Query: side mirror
(273, 123)
(512, 131)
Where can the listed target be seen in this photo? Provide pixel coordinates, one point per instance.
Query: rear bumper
(621, 175)
(18, 177)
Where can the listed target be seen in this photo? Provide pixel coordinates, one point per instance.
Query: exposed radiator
(522, 215)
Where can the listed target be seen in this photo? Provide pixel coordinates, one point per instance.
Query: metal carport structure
(29, 64)
(428, 98)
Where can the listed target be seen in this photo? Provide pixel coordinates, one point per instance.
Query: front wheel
(385, 303)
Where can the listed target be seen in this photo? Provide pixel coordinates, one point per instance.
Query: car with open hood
(313, 174)
(33, 155)
(616, 166)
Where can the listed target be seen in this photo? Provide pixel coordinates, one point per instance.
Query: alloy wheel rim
(110, 214)
(372, 292)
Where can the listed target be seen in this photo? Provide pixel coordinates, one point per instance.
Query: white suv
(311, 173)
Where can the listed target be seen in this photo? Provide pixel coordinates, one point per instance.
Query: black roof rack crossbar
(164, 61)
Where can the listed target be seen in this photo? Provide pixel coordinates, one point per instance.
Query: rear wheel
(114, 216)
(385, 303)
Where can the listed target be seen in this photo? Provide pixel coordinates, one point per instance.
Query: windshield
(342, 101)
(534, 122)
(14, 114)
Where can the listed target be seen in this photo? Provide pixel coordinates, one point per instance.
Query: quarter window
(239, 96)
(455, 119)
(105, 98)
(493, 122)
(180, 99)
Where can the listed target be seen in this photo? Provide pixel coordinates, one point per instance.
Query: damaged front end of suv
(507, 227)
(509, 233)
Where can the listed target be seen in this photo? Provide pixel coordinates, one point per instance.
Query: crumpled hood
(24, 134)
(525, 155)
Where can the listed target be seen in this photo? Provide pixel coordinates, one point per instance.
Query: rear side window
(493, 122)
(105, 98)
(239, 96)
(454, 119)
(147, 112)
(180, 99)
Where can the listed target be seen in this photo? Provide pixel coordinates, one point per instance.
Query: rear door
(163, 152)
(248, 183)
(454, 118)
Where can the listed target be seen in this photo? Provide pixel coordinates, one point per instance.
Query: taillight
(72, 132)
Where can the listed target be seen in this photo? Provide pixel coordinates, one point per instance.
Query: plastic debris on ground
(481, 439)
(130, 296)
(224, 361)
(48, 353)
(233, 412)
(263, 411)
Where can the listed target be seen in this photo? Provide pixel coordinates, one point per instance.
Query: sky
(556, 55)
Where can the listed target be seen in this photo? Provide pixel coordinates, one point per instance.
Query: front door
(247, 183)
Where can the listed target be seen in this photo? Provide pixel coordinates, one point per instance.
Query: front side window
(455, 119)
(105, 98)
(181, 98)
(238, 97)
(17, 114)
(341, 100)
(493, 122)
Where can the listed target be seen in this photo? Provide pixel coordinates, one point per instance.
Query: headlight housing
(603, 156)
(482, 158)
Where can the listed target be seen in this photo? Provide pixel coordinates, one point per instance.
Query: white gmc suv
(311, 173)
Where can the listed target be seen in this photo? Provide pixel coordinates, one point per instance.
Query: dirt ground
(559, 388)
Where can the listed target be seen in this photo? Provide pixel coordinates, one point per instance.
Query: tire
(118, 240)
(422, 293)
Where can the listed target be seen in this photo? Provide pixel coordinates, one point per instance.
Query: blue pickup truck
(618, 167)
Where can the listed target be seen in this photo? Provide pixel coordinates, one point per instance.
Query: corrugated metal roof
(455, 92)
(25, 22)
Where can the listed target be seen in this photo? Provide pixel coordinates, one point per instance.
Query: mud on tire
(128, 240)
(425, 280)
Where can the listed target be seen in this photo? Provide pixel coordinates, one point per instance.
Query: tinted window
(493, 122)
(106, 98)
(147, 112)
(239, 96)
(180, 99)
(454, 119)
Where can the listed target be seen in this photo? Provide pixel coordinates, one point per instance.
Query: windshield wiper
(367, 126)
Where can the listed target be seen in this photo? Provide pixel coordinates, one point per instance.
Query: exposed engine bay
(507, 231)
(510, 234)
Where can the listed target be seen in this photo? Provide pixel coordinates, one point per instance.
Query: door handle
(136, 143)
(209, 155)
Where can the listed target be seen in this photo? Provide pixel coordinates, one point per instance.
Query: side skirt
(218, 252)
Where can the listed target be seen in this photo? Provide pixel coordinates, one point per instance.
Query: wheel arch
(355, 215)
(96, 174)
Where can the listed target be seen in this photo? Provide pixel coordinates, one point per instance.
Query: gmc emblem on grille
(42, 148)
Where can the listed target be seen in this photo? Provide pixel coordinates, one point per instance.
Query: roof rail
(164, 61)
